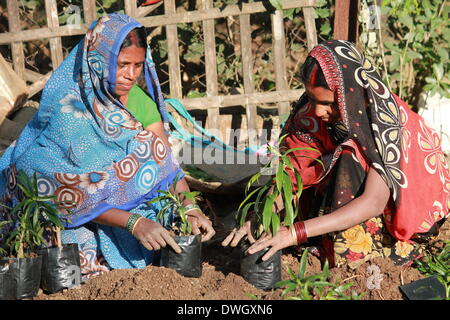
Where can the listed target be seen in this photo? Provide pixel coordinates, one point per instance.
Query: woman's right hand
(236, 235)
(153, 236)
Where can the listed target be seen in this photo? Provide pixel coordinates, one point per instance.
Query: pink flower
(353, 256)
(371, 227)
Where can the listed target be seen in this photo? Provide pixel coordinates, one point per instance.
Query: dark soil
(221, 280)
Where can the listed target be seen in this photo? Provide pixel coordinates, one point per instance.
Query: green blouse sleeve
(142, 107)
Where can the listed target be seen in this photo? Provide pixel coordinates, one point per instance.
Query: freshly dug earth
(221, 280)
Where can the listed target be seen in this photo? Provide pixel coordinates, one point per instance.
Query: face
(130, 63)
(322, 100)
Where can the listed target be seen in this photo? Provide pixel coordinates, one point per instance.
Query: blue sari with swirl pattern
(89, 151)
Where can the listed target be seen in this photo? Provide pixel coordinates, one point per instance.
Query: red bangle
(300, 231)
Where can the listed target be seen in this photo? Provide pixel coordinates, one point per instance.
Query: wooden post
(212, 88)
(247, 71)
(131, 8)
(310, 24)
(55, 43)
(13, 90)
(346, 20)
(279, 57)
(16, 47)
(89, 11)
(173, 53)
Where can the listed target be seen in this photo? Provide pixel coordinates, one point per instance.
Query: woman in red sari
(384, 184)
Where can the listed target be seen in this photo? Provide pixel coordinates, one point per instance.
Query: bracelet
(191, 207)
(300, 232)
(135, 224)
(132, 221)
(294, 234)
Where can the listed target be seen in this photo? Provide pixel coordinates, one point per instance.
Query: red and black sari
(379, 130)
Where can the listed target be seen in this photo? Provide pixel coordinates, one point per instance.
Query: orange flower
(357, 240)
(403, 249)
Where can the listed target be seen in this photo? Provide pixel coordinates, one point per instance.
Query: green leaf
(438, 70)
(267, 213)
(287, 197)
(414, 55)
(277, 4)
(302, 266)
(275, 224)
(252, 180)
(245, 212)
(248, 197)
(279, 176)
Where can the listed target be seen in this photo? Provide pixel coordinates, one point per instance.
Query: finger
(228, 238)
(195, 228)
(270, 253)
(265, 236)
(250, 238)
(238, 236)
(171, 242)
(210, 232)
(153, 243)
(159, 239)
(259, 245)
(146, 245)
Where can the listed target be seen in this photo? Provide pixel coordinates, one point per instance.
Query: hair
(311, 73)
(136, 37)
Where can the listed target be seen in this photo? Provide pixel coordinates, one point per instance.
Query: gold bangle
(294, 234)
(134, 225)
(191, 209)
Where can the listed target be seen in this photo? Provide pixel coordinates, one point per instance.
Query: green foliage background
(410, 50)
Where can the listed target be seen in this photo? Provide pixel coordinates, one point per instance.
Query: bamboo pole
(13, 90)
(154, 21)
(89, 11)
(131, 8)
(16, 44)
(279, 57)
(247, 66)
(212, 88)
(55, 43)
(173, 52)
(38, 85)
(310, 25)
(258, 98)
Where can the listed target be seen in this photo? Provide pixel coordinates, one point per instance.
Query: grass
(314, 287)
(437, 265)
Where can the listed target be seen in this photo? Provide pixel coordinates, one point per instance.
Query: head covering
(381, 131)
(83, 144)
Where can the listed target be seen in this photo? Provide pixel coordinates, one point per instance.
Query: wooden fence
(213, 101)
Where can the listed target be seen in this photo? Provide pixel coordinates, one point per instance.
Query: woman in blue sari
(94, 154)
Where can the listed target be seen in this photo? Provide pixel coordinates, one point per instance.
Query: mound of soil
(221, 280)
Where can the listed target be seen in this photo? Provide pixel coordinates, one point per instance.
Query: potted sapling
(189, 262)
(268, 207)
(36, 218)
(7, 285)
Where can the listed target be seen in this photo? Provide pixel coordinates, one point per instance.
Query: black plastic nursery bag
(7, 284)
(262, 274)
(60, 268)
(187, 263)
(26, 273)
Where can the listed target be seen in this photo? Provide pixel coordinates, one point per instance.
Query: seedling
(174, 203)
(314, 287)
(34, 214)
(437, 265)
(267, 194)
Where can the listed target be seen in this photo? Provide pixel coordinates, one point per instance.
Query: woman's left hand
(280, 241)
(201, 224)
